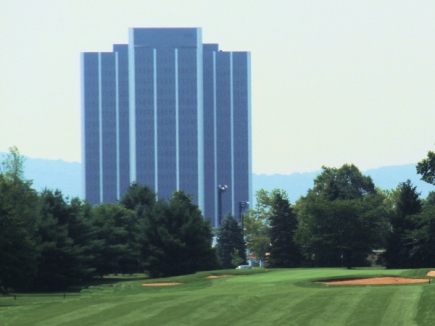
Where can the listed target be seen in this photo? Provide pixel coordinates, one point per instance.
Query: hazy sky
(333, 82)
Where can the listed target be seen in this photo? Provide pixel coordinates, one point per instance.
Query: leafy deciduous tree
(426, 168)
(340, 219)
(13, 165)
(256, 224)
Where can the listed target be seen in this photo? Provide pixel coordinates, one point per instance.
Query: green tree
(343, 183)
(256, 235)
(18, 254)
(65, 243)
(230, 238)
(116, 228)
(13, 165)
(176, 239)
(256, 224)
(402, 222)
(236, 260)
(422, 238)
(284, 252)
(18, 215)
(138, 198)
(426, 168)
(340, 219)
(430, 199)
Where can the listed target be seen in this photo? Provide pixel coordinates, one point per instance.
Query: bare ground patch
(161, 284)
(431, 273)
(377, 280)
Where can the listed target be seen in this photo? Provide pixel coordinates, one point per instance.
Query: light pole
(242, 205)
(221, 189)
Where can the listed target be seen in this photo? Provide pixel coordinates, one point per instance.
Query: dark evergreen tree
(230, 238)
(284, 252)
(18, 215)
(176, 239)
(18, 254)
(116, 228)
(65, 243)
(422, 239)
(398, 248)
(138, 198)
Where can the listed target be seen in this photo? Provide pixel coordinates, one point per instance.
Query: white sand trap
(218, 276)
(161, 284)
(431, 273)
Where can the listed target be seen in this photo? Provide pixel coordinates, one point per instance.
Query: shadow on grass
(112, 279)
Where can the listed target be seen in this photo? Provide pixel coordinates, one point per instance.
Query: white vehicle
(243, 267)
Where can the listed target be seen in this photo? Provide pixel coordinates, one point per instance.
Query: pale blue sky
(333, 82)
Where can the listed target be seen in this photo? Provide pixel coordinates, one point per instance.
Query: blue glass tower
(170, 112)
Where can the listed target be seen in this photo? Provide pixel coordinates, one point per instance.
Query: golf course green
(247, 297)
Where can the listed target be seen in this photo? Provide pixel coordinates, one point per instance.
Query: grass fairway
(272, 297)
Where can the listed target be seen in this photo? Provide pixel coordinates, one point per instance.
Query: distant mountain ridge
(53, 174)
(66, 176)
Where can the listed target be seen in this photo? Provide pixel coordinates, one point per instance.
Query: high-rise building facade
(170, 112)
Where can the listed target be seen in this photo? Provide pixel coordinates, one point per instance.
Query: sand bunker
(377, 280)
(431, 273)
(161, 284)
(219, 276)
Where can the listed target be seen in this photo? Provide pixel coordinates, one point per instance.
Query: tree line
(50, 242)
(342, 219)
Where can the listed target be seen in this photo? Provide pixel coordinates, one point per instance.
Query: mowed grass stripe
(339, 305)
(425, 309)
(402, 309)
(373, 305)
(277, 297)
(269, 309)
(301, 311)
(115, 311)
(131, 313)
(40, 310)
(71, 316)
(198, 310)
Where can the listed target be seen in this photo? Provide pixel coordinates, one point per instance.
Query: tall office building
(170, 112)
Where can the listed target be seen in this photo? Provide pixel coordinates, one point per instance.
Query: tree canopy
(346, 182)
(426, 168)
(340, 219)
